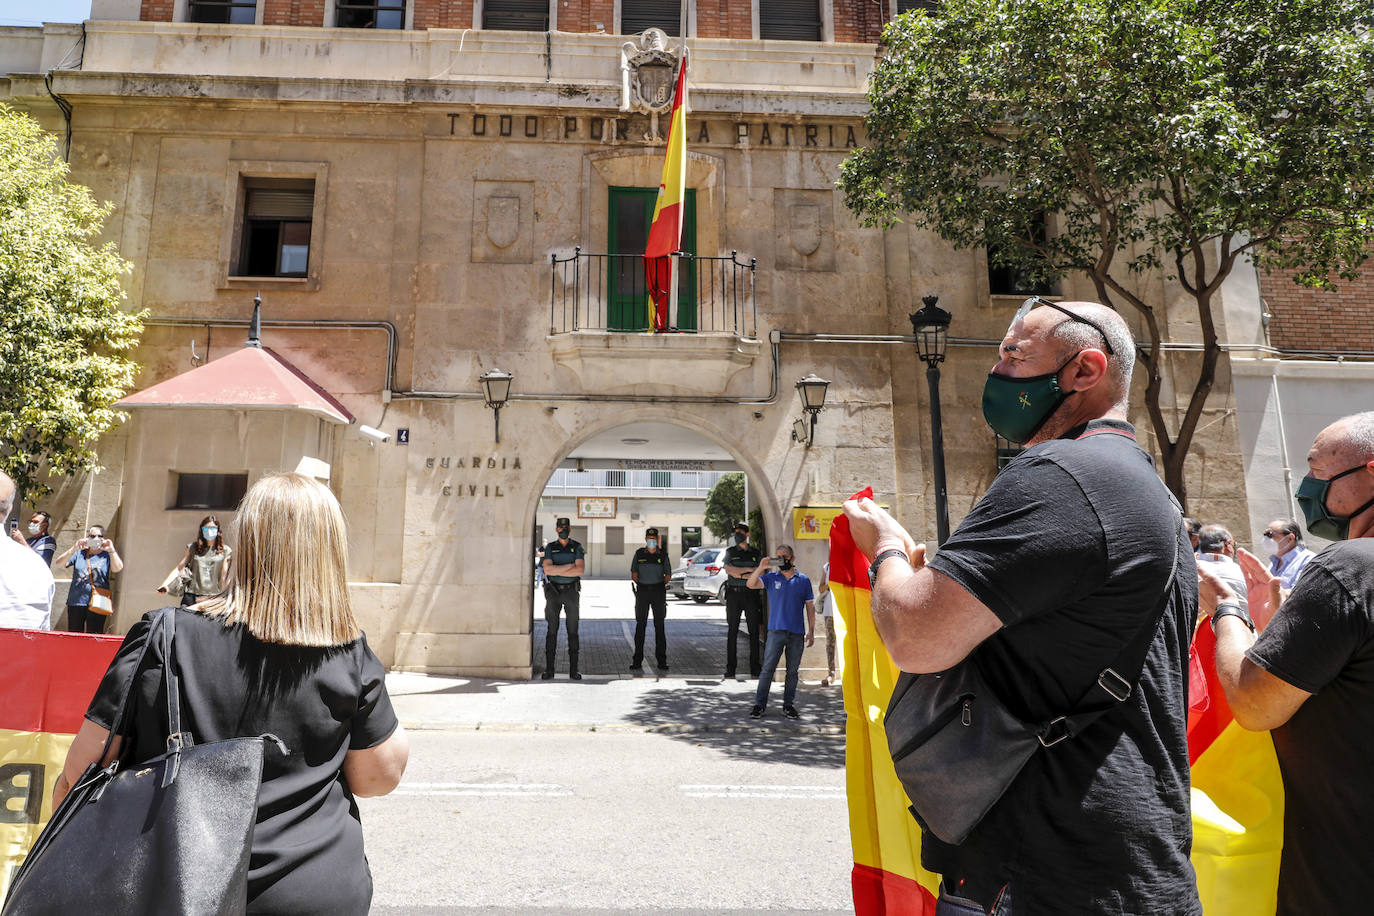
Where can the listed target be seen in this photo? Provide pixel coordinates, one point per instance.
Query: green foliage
(725, 505)
(1173, 134)
(756, 532)
(63, 338)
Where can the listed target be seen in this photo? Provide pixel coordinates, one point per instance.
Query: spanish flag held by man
(665, 231)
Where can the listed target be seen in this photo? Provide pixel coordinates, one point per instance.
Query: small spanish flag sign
(46, 683)
(1237, 795)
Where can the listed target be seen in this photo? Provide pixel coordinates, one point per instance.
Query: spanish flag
(46, 683)
(665, 231)
(1237, 796)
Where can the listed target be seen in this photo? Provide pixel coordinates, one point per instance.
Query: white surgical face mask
(209, 533)
(651, 543)
(1269, 547)
(34, 529)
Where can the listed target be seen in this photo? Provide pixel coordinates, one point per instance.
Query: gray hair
(786, 547)
(1076, 335)
(1359, 434)
(1213, 538)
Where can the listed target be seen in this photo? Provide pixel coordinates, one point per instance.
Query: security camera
(376, 435)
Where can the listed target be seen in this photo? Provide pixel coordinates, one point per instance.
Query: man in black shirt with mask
(740, 561)
(1074, 559)
(564, 562)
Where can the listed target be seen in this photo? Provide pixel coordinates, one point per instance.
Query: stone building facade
(410, 205)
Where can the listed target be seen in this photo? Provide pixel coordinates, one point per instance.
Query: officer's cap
(652, 532)
(742, 526)
(562, 522)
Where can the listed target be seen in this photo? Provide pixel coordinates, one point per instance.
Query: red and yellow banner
(1237, 794)
(665, 230)
(47, 680)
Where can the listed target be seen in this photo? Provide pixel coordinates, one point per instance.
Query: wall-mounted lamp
(799, 431)
(812, 390)
(496, 389)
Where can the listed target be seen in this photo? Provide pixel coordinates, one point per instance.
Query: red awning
(251, 378)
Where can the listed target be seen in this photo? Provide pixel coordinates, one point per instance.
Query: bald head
(1073, 336)
(7, 491)
(1353, 436)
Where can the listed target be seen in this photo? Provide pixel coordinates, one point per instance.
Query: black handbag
(956, 748)
(168, 835)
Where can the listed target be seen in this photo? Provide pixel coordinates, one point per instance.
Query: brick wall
(1305, 319)
(724, 19)
(293, 12)
(443, 14)
(156, 11)
(855, 20)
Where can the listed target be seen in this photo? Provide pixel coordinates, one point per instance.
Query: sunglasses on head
(1034, 301)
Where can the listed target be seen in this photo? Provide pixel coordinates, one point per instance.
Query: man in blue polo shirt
(789, 594)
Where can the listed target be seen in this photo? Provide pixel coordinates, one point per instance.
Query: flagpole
(675, 262)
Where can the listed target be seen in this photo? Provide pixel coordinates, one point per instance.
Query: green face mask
(1016, 408)
(1311, 496)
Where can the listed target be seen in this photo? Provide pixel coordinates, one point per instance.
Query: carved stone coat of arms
(647, 70)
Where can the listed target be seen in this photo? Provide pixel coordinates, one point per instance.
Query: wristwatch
(1231, 609)
(878, 561)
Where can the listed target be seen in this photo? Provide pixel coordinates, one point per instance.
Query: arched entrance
(648, 469)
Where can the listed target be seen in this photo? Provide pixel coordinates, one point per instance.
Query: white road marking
(714, 791)
(483, 789)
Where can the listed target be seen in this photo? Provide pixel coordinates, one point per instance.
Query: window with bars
(615, 478)
(790, 20)
(370, 14)
(661, 479)
(516, 15)
(235, 12)
(277, 215)
(927, 6)
(638, 15)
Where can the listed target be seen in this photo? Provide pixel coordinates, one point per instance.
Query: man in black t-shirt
(649, 572)
(1310, 677)
(1075, 553)
(740, 561)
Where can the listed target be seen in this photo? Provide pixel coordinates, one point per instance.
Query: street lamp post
(812, 389)
(496, 390)
(931, 325)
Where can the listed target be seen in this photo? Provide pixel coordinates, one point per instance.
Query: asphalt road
(647, 796)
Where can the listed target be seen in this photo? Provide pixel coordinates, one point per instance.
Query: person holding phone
(789, 597)
(39, 541)
(93, 560)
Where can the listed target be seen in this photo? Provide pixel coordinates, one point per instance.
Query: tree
(725, 505)
(1173, 136)
(63, 336)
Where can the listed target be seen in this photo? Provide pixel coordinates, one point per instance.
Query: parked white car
(676, 588)
(705, 576)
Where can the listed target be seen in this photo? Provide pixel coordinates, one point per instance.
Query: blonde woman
(279, 651)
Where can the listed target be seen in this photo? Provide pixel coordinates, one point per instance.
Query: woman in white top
(205, 566)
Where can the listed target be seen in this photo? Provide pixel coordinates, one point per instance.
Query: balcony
(647, 484)
(609, 292)
(599, 316)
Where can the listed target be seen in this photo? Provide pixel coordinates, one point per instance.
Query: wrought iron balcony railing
(609, 292)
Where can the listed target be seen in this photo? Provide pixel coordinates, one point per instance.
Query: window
(638, 15)
(210, 491)
(661, 479)
(791, 20)
(370, 14)
(615, 540)
(1006, 452)
(1014, 280)
(906, 6)
(237, 12)
(615, 478)
(276, 227)
(516, 15)
(691, 537)
(629, 213)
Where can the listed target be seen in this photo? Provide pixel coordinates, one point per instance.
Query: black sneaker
(636, 666)
(662, 666)
(791, 712)
(756, 712)
(729, 675)
(547, 675)
(574, 676)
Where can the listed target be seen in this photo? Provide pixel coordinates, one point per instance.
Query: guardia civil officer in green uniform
(564, 562)
(740, 561)
(649, 572)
